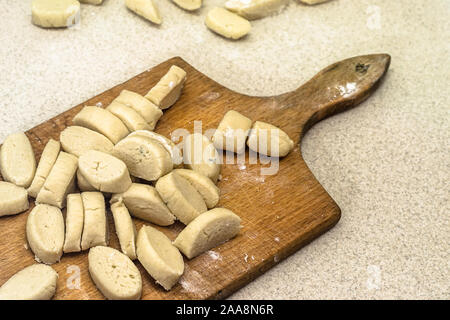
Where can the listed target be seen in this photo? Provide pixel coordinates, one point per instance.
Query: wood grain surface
(280, 213)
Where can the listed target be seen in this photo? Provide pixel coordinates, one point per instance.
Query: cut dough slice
(102, 121)
(227, 24)
(74, 223)
(146, 9)
(255, 9)
(130, 117)
(144, 202)
(17, 161)
(77, 140)
(159, 256)
(45, 233)
(168, 89)
(60, 181)
(269, 140)
(55, 14)
(48, 159)
(232, 132)
(312, 2)
(208, 231)
(83, 184)
(13, 199)
(114, 274)
(35, 282)
(96, 2)
(189, 5)
(181, 197)
(95, 225)
(125, 229)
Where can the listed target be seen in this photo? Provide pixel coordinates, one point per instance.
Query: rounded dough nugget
(17, 161)
(77, 140)
(189, 5)
(114, 274)
(125, 229)
(146, 9)
(232, 132)
(45, 233)
(269, 140)
(208, 231)
(13, 199)
(55, 14)
(95, 230)
(227, 24)
(159, 256)
(130, 117)
(74, 223)
(255, 9)
(181, 197)
(35, 282)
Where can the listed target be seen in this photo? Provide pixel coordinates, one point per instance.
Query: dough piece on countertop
(17, 161)
(269, 140)
(102, 121)
(181, 197)
(95, 230)
(159, 256)
(55, 14)
(255, 9)
(227, 24)
(312, 2)
(189, 5)
(232, 132)
(96, 2)
(74, 223)
(168, 89)
(77, 140)
(13, 199)
(114, 274)
(35, 282)
(130, 117)
(146, 9)
(125, 229)
(45, 233)
(207, 231)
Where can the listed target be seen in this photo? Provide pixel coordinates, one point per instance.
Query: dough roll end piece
(95, 230)
(13, 199)
(146, 9)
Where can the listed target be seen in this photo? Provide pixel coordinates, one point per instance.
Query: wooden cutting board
(280, 213)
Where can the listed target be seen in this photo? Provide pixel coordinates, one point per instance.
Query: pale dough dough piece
(255, 9)
(232, 132)
(144, 202)
(207, 231)
(114, 274)
(125, 229)
(144, 157)
(35, 282)
(95, 230)
(168, 89)
(312, 2)
(102, 121)
(159, 256)
(104, 172)
(146, 9)
(74, 223)
(13, 199)
(96, 2)
(45, 233)
(269, 140)
(77, 140)
(181, 197)
(48, 159)
(130, 117)
(227, 24)
(17, 161)
(55, 14)
(83, 184)
(189, 5)
(60, 181)
(207, 189)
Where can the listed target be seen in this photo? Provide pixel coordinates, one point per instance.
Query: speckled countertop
(386, 163)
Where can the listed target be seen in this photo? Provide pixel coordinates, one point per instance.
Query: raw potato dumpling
(83, 184)
(114, 274)
(168, 89)
(232, 132)
(77, 140)
(48, 159)
(102, 121)
(146, 9)
(189, 5)
(208, 231)
(17, 161)
(227, 24)
(95, 230)
(13, 199)
(130, 117)
(35, 282)
(55, 14)
(181, 197)
(74, 223)
(255, 9)
(125, 229)
(45, 233)
(159, 256)
(269, 140)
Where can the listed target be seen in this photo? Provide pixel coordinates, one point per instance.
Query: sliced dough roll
(35, 282)
(114, 274)
(55, 14)
(17, 161)
(45, 233)
(102, 121)
(83, 184)
(159, 256)
(125, 229)
(95, 230)
(168, 89)
(130, 117)
(146, 9)
(269, 140)
(227, 24)
(144, 202)
(208, 231)
(181, 197)
(13, 199)
(77, 140)
(74, 223)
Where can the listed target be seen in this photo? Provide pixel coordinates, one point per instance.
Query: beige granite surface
(386, 163)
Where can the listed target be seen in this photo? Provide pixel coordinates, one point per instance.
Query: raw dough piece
(227, 24)
(189, 5)
(255, 9)
(102, 121)
(168, 89)
(60, 181)
(74, 223)
(312, 2)
(55, 14)
(77, 140)
(17, 162)
(125, 229)
(13, 199)
(114, 274)
(181, 197)
(83, 184)
(48, 159)
(130, 117)
(97, 2)
(144, 202)
(159, 256)
(104, 172)
(232, 132)
(208, 231)
(269, 140)
(146, 9)
(35, 282)
(45, 233)
(95, 225)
